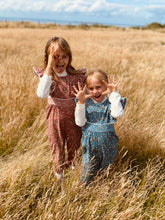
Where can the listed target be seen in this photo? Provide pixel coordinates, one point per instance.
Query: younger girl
(96, 114)
(56, 82)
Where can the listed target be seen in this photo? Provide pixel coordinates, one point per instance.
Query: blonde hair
(98, 74)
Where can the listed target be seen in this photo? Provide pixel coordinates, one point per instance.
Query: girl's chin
(59, 71)
(99, 99)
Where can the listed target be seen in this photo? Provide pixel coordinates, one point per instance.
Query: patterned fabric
(61, 121)
(99, 140)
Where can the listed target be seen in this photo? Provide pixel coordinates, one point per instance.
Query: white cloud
(98, 5)
(74, 6)
(81, 5)
(142, 9)
(61, 5)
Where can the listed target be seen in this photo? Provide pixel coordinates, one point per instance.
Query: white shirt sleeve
(44, 86)
(116, 106)
(80, 118)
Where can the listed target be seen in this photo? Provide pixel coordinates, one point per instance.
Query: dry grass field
(134, 186)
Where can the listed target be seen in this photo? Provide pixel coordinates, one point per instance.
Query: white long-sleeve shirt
(116, 109)
(45, 83)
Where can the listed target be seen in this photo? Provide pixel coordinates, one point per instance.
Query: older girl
(56, 82)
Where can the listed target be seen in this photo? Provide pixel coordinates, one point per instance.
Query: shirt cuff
(80, 106)
(114, 95)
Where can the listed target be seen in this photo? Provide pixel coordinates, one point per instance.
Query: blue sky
(115, 12)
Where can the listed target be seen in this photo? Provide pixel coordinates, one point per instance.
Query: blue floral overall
(99, 140)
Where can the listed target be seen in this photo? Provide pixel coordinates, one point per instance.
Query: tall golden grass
(134, 186)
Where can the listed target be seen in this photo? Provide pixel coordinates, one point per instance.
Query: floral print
(61, 122)
(99, 140)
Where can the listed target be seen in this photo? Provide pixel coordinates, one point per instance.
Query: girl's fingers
(105, 83)
(74, 87)
(53, 50)
(105, 92)
(88, 96)
(84, 89)
(79, 86)
(117, 83)
(109, 79)
(74, 93)
(114, 79)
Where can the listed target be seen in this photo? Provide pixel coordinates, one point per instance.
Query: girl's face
(61, 60)
(96, 88)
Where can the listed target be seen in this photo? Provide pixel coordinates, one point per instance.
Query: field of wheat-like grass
(134, 186)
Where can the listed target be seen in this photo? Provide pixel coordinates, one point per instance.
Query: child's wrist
(81, 102)
(48, 71)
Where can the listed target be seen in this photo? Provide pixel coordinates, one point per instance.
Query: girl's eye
(91, 89)
(65, 56)
(56, 57)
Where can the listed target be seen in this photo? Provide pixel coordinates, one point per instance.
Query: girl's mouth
(96, 97)
(60, 67)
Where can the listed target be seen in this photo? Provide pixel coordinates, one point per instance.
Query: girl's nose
(95, 91)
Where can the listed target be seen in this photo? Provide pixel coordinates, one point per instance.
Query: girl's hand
(80, 94)
(111, 85)
(52, 55)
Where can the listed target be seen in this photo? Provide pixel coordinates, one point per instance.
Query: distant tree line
(155, 25)
(28, 24)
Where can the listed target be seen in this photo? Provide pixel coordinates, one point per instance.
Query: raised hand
(52, 59)
(54, 48)
(81, 94)
(111, 85)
